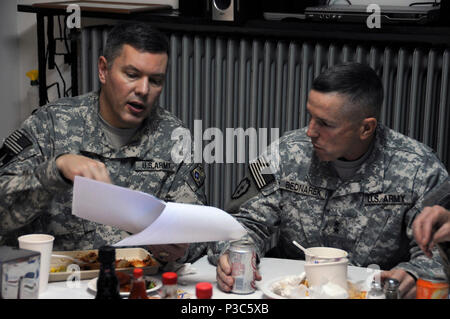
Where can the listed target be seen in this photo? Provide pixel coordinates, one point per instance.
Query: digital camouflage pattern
(370, 216)
(35, 197)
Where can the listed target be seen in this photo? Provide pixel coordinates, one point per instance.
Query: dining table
(203, 271)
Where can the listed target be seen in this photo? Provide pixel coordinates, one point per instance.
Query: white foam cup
(43, 244)
(320, 255)
(320, 274)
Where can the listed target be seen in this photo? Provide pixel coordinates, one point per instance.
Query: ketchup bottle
(138, 290)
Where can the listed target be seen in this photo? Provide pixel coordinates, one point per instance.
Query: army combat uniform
(441, 196)
(35, 197)
(369, 216)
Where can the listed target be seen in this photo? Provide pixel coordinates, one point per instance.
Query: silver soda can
(242, 257)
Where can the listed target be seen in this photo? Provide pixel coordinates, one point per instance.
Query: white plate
(267, 288)
(92, 285)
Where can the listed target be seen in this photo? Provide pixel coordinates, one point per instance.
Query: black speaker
(194, 8)
(235, 10)
(445, 12)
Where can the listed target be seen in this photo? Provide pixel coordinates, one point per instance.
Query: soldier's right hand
(71, 165)
(223, 273)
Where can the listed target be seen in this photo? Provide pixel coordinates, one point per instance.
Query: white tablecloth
(270, 268)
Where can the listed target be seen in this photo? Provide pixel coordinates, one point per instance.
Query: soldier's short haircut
(359, 83)
(141, 36)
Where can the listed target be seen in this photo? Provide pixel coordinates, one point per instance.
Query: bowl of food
(319, 255)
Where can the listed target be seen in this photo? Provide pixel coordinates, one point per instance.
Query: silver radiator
(256, 83)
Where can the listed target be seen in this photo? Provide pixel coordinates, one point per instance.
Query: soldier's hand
(168, 253)
(407, 288)
(432, 226)
(71, 165)
(223, 274)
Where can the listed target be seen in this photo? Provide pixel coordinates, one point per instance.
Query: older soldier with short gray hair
(345, 181)
(118, 135)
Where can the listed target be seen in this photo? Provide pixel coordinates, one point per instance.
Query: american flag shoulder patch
(12, 146)
(261, 173)
(17, 142)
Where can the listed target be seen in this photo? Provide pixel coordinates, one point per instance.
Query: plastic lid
(107, 254)
(169, 278)
(203, 290)
(137, 272)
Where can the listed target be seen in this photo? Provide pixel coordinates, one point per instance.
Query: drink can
(242, 256)
(431, 289)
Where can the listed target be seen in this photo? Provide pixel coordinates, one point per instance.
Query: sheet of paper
(113, 205)
(185, 223)
(151, 220)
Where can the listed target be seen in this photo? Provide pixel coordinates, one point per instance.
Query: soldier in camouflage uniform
(344, 181)
(432, 227)
(118, 135)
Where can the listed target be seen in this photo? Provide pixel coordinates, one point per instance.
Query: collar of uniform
(321, 174)
(94, 140)
(369, 177)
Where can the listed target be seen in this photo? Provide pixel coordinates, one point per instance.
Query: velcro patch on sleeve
(198, 175)
(261, 173)
(17, 142)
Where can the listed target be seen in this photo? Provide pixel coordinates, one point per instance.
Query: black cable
(62, 79)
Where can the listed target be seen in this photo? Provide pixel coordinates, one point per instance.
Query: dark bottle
(107, 283)
(391, 288)
(138, 290)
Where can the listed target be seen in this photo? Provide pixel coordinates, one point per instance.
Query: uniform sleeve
(28, 173)
(429, 178)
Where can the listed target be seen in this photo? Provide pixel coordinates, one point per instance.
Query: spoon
(300, 246)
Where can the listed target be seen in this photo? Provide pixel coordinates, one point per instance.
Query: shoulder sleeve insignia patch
(198, 175)
(241, 189)
(260, 171)
(13, 145)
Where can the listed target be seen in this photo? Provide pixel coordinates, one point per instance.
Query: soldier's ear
(368, 127)
(102, 69)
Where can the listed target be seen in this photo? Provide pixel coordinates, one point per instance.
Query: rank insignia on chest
(386, 199)
(261, 173)
(198, 175)
(154, 165)
(304, 189)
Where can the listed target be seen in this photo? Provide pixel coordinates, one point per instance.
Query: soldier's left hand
(407, 288)
(168, 253)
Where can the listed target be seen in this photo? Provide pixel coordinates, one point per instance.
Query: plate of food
(151, 283)
(298, 287)
(87, 262)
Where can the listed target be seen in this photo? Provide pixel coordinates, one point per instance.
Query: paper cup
(321, 255)
(43, 244)
(320, 274)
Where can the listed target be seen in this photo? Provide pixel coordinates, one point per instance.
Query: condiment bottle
(391, 288)
(170, 285)
(107, 282)
(376, 291)
(203, 290)
(138, 290)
